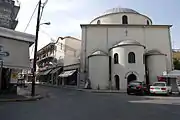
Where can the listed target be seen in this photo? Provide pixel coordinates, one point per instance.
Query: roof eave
(125, 25)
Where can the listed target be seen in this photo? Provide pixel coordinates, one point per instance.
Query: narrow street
(64, 104)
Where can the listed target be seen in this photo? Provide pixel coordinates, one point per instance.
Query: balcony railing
(49, 57)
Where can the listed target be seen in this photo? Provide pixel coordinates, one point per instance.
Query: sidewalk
(84, 90)
(23, 94)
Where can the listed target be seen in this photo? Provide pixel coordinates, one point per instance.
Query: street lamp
(36, 44)
(46, 23)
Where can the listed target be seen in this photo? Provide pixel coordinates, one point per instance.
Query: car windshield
(159, 84)
(135, 83)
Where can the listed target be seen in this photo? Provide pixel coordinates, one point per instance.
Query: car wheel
(128, 93)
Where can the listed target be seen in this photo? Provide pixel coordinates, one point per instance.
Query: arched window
(147, 22)
(98, 22)
(116, 60)
(131, 57)
(124, 19)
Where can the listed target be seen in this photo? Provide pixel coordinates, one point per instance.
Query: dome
(128, 42)
(154, 52)
(114, 16)
(120, 10)
(98, 53)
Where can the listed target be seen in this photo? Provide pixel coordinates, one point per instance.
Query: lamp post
(36, 44)
(46, 23)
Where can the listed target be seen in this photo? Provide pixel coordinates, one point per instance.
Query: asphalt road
(63, 104)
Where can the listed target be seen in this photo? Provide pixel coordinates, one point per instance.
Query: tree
(176, 63)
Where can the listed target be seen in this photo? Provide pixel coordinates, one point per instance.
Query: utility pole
(1, 67)
(35, 49)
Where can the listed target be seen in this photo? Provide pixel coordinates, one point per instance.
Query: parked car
(137, 87)
(179, 88)
(160, 88)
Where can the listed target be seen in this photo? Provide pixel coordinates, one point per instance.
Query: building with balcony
(8, 14)
(56, 57)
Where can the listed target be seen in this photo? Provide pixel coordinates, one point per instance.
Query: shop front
(17, 45)
(70, 76)
(44, 76)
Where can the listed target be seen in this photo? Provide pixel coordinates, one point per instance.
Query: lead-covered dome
(154, 52)
(120, 10)
(98, 53)
(122, 16)
(127, 43)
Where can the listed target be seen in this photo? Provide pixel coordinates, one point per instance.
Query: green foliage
(176, 63)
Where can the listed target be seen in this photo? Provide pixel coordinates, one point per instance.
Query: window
(131, 57)
(98, 22)
(61, 46)
(124, 19)
(159, 84)
(147, 22)
(116, 61)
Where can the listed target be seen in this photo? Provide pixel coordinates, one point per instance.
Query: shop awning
(44, 73)
(55, 70)
(67, 73)
(47, 72)
(39, 73)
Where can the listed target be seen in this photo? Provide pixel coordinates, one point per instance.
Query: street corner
(26, 98)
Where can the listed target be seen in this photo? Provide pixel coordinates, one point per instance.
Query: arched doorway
(116, 77)
(131, 77)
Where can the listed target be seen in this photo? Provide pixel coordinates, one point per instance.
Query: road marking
(168, 102)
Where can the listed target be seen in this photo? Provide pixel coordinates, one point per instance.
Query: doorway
(116, 77)
(131, 77)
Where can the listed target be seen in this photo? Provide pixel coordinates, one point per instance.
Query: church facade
(123, 45)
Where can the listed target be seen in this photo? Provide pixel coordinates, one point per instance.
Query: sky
(67, 15)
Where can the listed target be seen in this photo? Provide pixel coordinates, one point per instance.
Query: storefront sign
(14, 76)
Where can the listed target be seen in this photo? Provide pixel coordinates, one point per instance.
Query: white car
(160, 88)
(179, 88)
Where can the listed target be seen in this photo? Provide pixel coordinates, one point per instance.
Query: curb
(96, 91)
(23, 99)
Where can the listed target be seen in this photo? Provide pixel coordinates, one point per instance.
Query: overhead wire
(31, 18)
(30, 22)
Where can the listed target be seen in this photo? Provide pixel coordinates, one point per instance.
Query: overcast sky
(67, 15)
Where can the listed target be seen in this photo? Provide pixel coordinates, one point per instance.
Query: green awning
(55, 70)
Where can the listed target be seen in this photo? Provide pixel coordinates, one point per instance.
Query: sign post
(2, 55)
